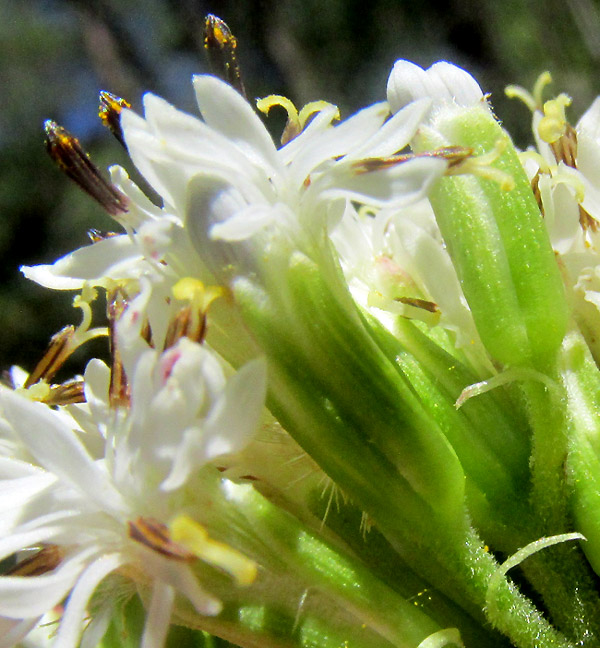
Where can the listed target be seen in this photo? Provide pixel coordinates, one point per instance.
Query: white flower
(223, 179)
(103, 515)
(395, 259)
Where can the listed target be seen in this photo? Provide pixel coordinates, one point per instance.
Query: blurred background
(55, 55)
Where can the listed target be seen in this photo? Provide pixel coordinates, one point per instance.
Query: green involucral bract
(498, 244)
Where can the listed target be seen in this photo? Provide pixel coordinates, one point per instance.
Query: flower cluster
(352, 381)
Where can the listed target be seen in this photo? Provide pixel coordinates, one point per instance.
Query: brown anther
(155, 535)
(96, 235)
(565, 147)
(68, 154)
(587, 221)
(535, 188)
(188, 322)
(42, 562)
(118, 391)
(67, 393)
(109, 112)
(59, 349)
(453, 155)
(432, 307)
(220, 45)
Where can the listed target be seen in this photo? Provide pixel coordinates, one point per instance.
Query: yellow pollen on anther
(194, 537)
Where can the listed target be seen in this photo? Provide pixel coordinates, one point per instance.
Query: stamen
(518, 92)
(553, 124)
(453, 155)
(534, 100)
(587, 221)
(296, 121)
(42, 562)
(194, 537)
(220, 45)
(109, 112)
(68, 154)
(293, 126)
(541, 82)
(69, 393)
(544, 167)
(407, 307)
(429, 306)
(96, 235)
(118, 391)
(59, 349)
(571, 180)
(190, 321)
(63, 344)
(155, 535)
(535, 188)
(313, 107)
(481, 166)
(565, 148)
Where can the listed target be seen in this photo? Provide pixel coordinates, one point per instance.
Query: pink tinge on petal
(167, 363)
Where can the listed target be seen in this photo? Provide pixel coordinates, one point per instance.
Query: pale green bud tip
(492, 227)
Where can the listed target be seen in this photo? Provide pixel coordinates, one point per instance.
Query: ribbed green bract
(499, 244)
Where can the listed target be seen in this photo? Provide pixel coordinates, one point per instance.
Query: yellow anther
(553, 124)
(194, 537)
(194, 291)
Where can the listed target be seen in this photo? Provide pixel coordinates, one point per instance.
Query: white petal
(97, 384)
(71, 625)
(339, 140)
(442, 82)
(32, 596)
(58, 449)
(16, 493)
(461, 87)
(242, 406)
(321, 122)
(408, 82)
(158, 617)
(590, 121)
(182, 578)
(395, 134)
(244, 224)
(10, 544)
(392, 187)
(225, 110)
(115, 257)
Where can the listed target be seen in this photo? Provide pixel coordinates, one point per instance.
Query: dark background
(55, 55)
